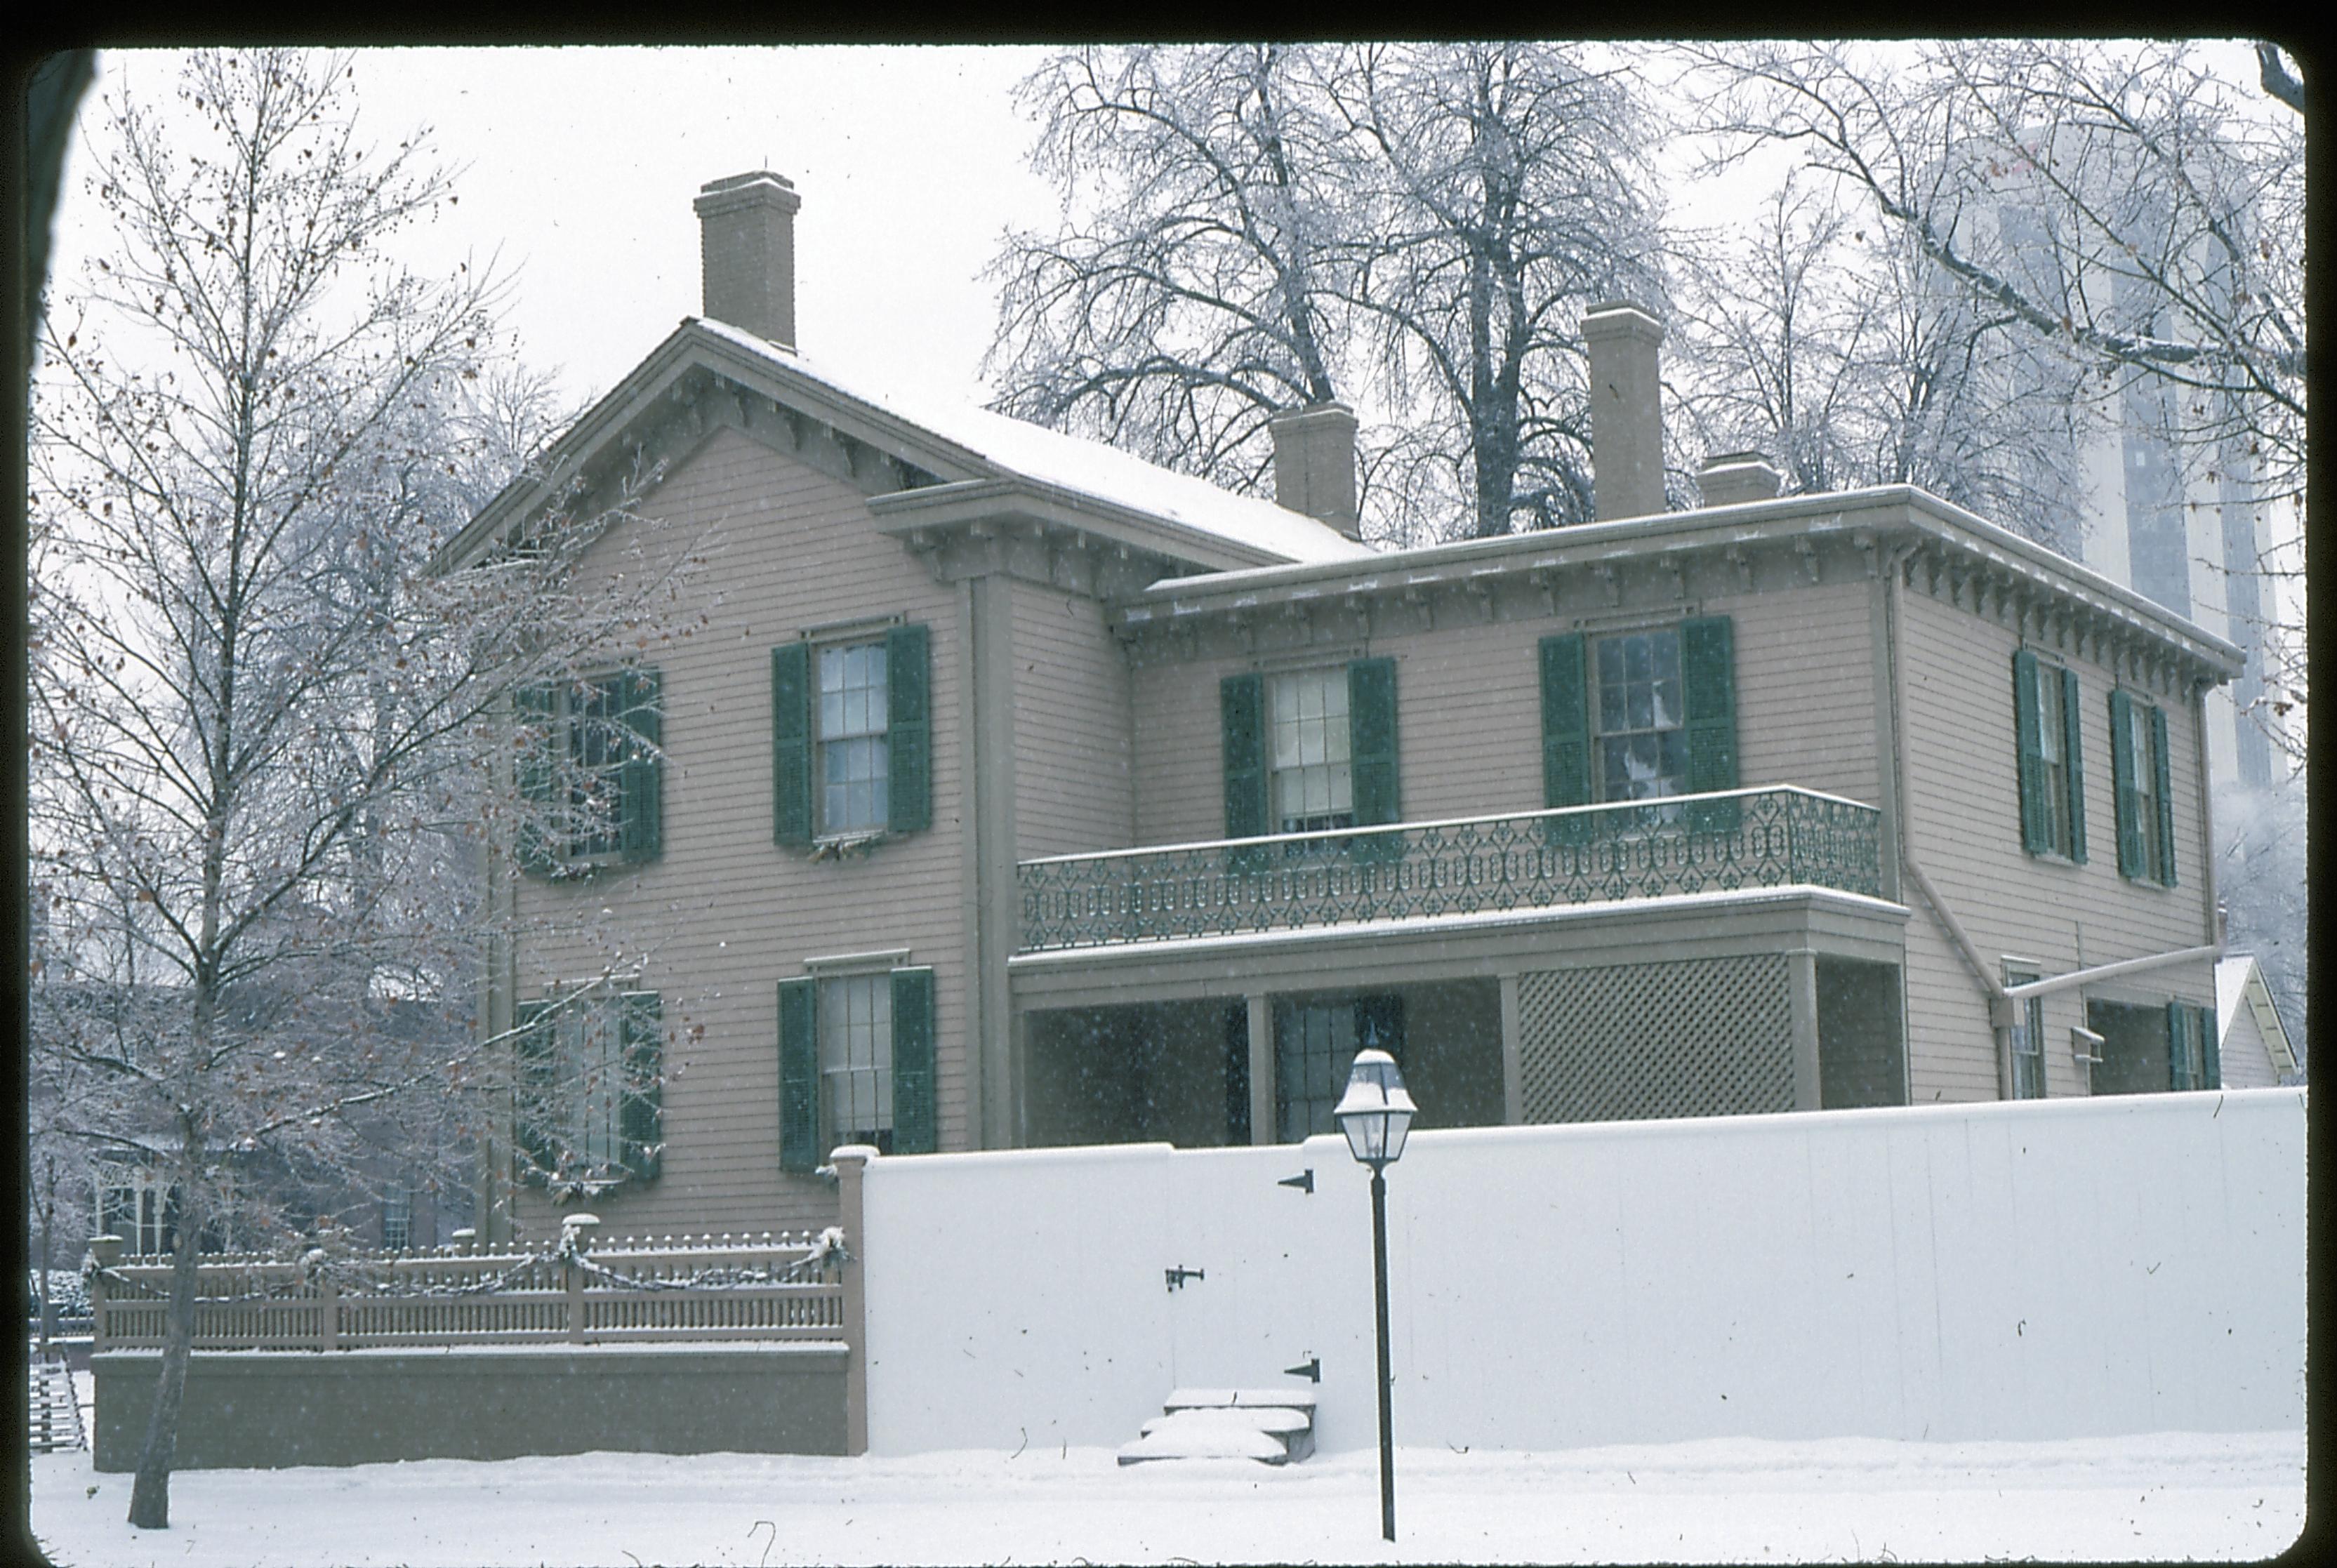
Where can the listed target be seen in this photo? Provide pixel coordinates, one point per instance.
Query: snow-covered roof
(1016, 447)
(2239, 982)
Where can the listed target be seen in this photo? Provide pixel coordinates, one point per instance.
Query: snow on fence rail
(629, 1290)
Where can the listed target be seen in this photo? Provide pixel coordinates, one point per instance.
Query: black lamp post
(1376, 1113)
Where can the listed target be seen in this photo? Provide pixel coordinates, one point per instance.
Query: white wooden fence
(628, 1289)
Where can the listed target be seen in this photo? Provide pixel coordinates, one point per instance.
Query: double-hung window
(397, 1217)
(853, 753)
(2026, 1040)
(856, 1061)
(1641, 717)
(589, 1088)
(590, 771)
(851, 737)
(2051, 757)
(1313, 775)
(1310, 750)
(2141, 778)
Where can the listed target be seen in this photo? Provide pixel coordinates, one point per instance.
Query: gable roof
(955, 441)
(2239, 982)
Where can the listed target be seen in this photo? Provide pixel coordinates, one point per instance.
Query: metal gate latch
(1179, 1274)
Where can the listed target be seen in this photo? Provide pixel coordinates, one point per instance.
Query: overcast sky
(579, 165)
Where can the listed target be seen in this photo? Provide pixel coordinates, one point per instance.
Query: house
(2253, 1046)
(1012, 793)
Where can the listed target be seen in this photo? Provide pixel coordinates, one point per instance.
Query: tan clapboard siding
(1469, 712)
(1073, 781)
(725, 914)
(1963, 818)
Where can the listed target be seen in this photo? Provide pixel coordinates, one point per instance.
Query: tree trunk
(149, 1493)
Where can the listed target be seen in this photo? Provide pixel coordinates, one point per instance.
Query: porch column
(1261, 1069)
(1514, 1077)
(1802, 995)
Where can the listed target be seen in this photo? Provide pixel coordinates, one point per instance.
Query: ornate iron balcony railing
(1734, 840)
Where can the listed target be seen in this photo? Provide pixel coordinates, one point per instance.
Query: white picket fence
(771, 1286)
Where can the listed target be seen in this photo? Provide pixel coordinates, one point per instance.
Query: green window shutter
(799, 1147)
(2073, 749)
(914, 1114)
(2211, 1051)
(1709, 674)
(1565, 723)
(2162, 775)
(1371, 709)
(533, 1075)
(2036, 814)
(791, 744)
(908, 729)
(642, 781)
(2178, 1063)
(2123, 777)
(535, 718)
(641, 1114)
(1241, 704)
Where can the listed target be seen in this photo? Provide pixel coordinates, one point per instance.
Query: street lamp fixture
(1376, 1113)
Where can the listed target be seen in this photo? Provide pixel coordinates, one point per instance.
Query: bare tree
(1827, 342)
(1412, 230)
(261, 728)
(2129, 207)
(1197, 289)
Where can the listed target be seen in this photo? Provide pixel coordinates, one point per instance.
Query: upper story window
(1636, 715)
(1313, 780)
(853, 755)
(1310, 750)
(852, 738)
(2141, 780)
(2051, 757)
(1642, 718)
(590, 770)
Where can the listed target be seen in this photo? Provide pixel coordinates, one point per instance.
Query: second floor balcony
(1729, 841)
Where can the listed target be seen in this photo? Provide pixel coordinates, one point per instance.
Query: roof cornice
(1899, 515)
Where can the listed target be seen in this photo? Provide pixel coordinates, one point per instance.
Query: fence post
(851, 1163)
(575, 1229)
(328, 1312)
(107, 1250)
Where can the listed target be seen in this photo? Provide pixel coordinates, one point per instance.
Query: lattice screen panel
(1699, 1037)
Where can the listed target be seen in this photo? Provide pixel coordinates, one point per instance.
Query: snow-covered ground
(2170, 1495)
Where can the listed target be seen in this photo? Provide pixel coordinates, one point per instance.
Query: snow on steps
(1270, 1426)
(56, 1410)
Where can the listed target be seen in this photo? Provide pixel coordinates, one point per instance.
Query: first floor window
(1315, 1047)
(135, 1205)
(397, 1217)
(854, 760)
(1313, 775)
(856, 1064)
(855, 1048)
(1642, 739)
(591, 1065)
(2027, 1041)
(2193, 1060)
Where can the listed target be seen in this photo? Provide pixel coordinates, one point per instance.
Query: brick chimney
(1314, 463)
(746, 249)
(1627, 424)
(1729, 477)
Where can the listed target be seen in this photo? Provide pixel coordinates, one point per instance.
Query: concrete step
(1270, 1426)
